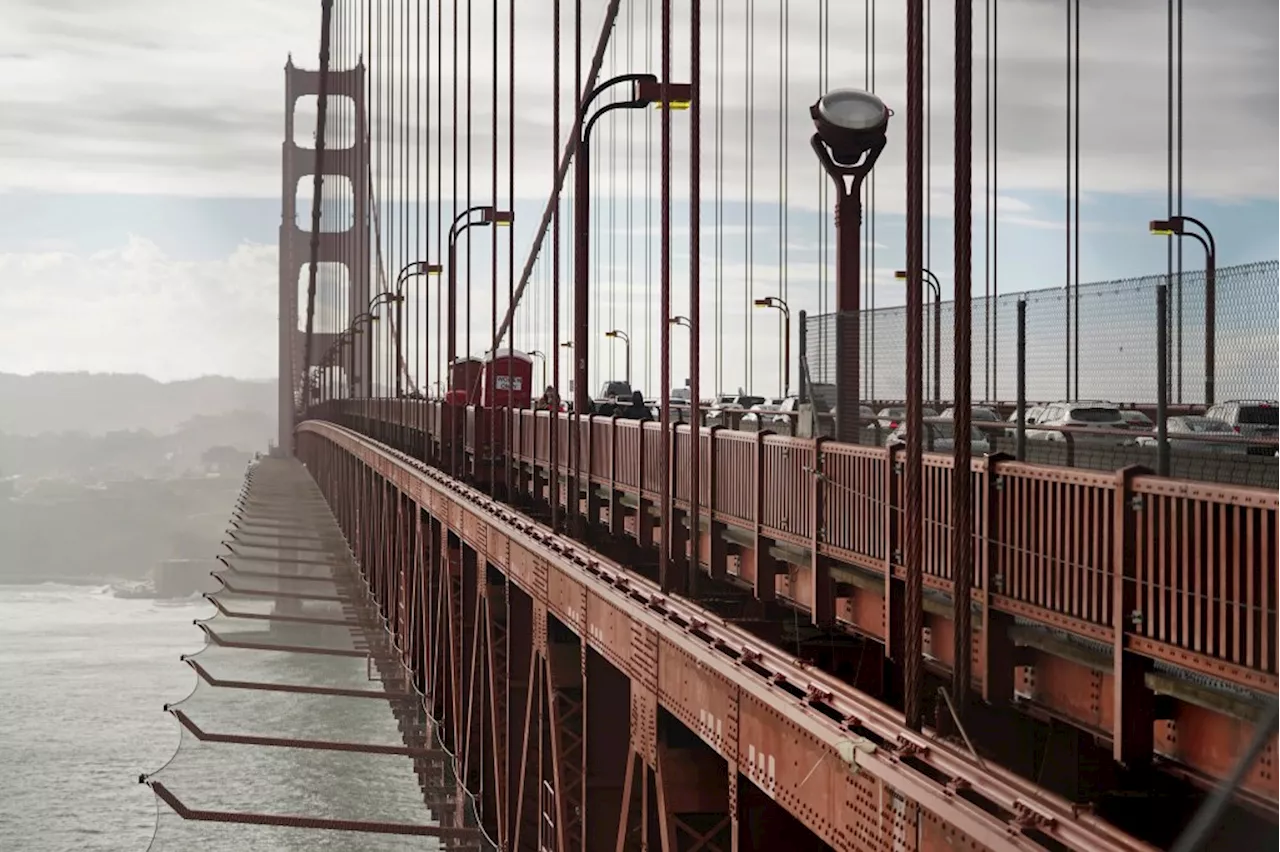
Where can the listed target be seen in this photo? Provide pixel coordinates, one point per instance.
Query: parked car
(728, 409)
(891, 418)
(1136, 420)
(1207, 427)
(939, 437)
(1102, 420)
(1250, 418)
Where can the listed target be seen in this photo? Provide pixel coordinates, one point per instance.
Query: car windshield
(1259, 415)
(985, 414)
(1096, 415)
(1135, 417)
(1206, 424)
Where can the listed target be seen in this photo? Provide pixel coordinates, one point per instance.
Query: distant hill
(98, 403)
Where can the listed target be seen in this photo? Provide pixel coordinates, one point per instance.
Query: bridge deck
(710, 705)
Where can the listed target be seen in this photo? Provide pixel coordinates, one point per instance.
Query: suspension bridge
(684, 620)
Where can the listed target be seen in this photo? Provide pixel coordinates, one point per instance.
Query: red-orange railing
(1055, 545)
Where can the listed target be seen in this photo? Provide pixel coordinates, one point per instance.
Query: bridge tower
(348, 247)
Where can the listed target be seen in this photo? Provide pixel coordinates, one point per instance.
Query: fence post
(801, 395)
(1162, 379)
(1021, 450)
(1133, 731)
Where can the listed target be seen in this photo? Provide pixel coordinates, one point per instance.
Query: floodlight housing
(647, 90)
(850, 122)
(900, 274)
(1167, 227)
(490, 216)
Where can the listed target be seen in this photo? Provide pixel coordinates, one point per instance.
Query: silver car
(1250, 418)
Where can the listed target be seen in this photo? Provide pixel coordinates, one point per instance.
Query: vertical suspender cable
(562, 170)
(961, 491)
(869, 363)
(1169, 149)
(987, 198)
(909, 655)
(666, 577)
(749, 130)
(440, 307)
(995, 195)
(1178, 209)
(648, 193)
(695, 292)
(719, 165)
(630, 275)
(1067, 216)
(493, 273)
(554, 354)
(470, 58)
(511, 205)
(783, 15)
(928, 175)
(1075, 228)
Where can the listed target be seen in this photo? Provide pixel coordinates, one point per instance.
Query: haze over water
(84, 677)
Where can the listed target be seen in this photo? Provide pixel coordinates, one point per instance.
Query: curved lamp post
(387, 297)
(413, 269)
(645, 90)
(1176, 226)
(542, 361)
(684, 321)
(619, 334)
(775, 302)
(934, 285)
(488, 215)
(851, 126)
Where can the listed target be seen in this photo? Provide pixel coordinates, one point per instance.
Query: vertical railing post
(1133, 734)
(823, 593)
(894, 590)
(802, 385)
(999, 655)
(717, 547)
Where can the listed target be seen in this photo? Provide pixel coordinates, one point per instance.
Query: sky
(140, 163)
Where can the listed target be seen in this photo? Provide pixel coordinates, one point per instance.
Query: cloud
(134, 309)
(143, 95)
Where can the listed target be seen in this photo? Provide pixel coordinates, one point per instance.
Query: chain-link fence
(1099, 343)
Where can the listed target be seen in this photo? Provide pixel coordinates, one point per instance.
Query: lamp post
(645, 90)
(386, 297)
(411, 270)
(488, 216)
(936, 287)
(775, 302)
(851, 126)
(619, 334)
(542, 361)
(1177, 226)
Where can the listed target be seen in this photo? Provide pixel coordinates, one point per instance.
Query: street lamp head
(430, 269)
(850, 122)
(763, 303)
(490, 216)
(568, 344)
(900, 274)
(647, 90)
(1167, 227)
